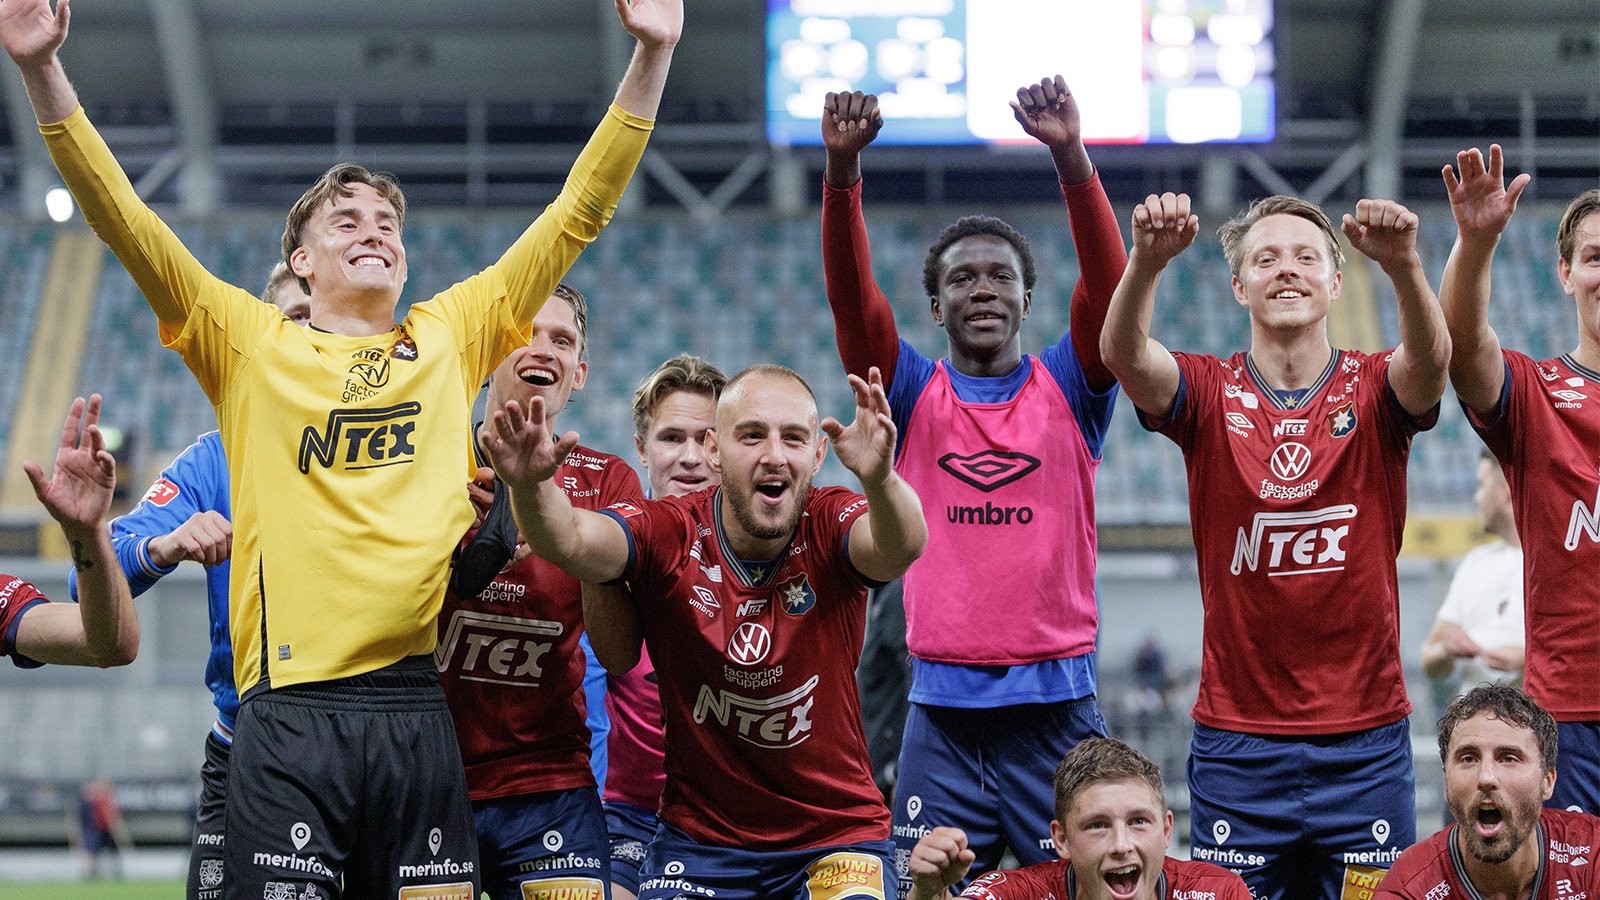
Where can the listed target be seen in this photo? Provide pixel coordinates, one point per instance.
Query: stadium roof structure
(220, 103)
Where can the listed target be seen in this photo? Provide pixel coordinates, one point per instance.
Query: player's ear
(1336, 286)
(1549, 785)
(713, 451)
(300, 262)
(1238, 292)
(1058, 836)
(938, 314)
(1564, 272)
(822, 452)
(1027, 303)
(638, 445)
(580, 374)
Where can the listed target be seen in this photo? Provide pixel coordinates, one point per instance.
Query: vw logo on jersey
(1291, 460)
(750, 644)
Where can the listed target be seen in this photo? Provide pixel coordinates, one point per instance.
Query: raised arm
(1048, 112)
(892, 534)
(1482, 205)
(534, 264)
(101, 629)
(1387, 233)
(1163, 227)
(586, 545)
(863, 321)
(167, 274)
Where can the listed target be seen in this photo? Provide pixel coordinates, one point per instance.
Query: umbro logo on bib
(990, 469)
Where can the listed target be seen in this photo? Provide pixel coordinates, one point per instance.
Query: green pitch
(92, 890)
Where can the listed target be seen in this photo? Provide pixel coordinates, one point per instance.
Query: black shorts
(205, 853)
(353, 786)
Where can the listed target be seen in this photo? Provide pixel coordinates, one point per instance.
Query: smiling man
(347, 445)
(1300, 770)
(1499, 752)
(1002, 446)
(1111, 833)
(752, 601)
(509, 653)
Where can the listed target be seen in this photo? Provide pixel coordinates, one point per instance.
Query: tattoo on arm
(78, 560)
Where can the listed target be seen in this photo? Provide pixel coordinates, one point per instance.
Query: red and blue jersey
(510, 661)
(1297, 512)
(1180, 880)
(1546, 436)
(17, 597)
(764, 746)
(1434, 869)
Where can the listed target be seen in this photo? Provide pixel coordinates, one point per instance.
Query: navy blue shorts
(675, 866)
(538, 845)
(1577, 767)
(631, 829)
(1302, 816)
(989, 772)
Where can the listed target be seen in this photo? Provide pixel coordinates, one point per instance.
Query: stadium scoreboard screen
(1143, 71)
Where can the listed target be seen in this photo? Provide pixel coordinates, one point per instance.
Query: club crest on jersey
(161, 493)
(1342, 420)
(404, 348)
(362, 438)
(798, 597)
(990, 469)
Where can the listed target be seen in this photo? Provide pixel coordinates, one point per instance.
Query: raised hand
(206, 537)
(30, 31)
(1385, 231)
(78, 493)
(1479, 198)
(1048, 112)
(654, 23)
(520, 445)
(866, 447)
(938, 862)
(850, 121)
(1163, 227)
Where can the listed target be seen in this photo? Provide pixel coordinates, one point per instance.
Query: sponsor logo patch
(702, 599)
(774, 723)
(496, 649)
(1246, 398)
(461, 890)
(990, 469)
(160, 494)
(750, 644)
(1299, 543)
(625, 509)
(845, 875)
(1291, 460)
(362, 438)
(1360, 882)
(563, 889)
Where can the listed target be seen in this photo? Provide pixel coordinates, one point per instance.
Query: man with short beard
(1499, 753)
(752, 602)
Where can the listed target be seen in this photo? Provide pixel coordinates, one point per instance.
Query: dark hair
(1234, 230)
(1510, 706)
(680, 373)
(1581, 206)
(971, 226)
(336, 183)
(1097, 760)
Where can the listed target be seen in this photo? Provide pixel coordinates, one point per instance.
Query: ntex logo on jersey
(750, 644)
(774, 723)
(497, 649)
(1300, 542)
(990, 469)
(362, 438)
(1291, 428)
